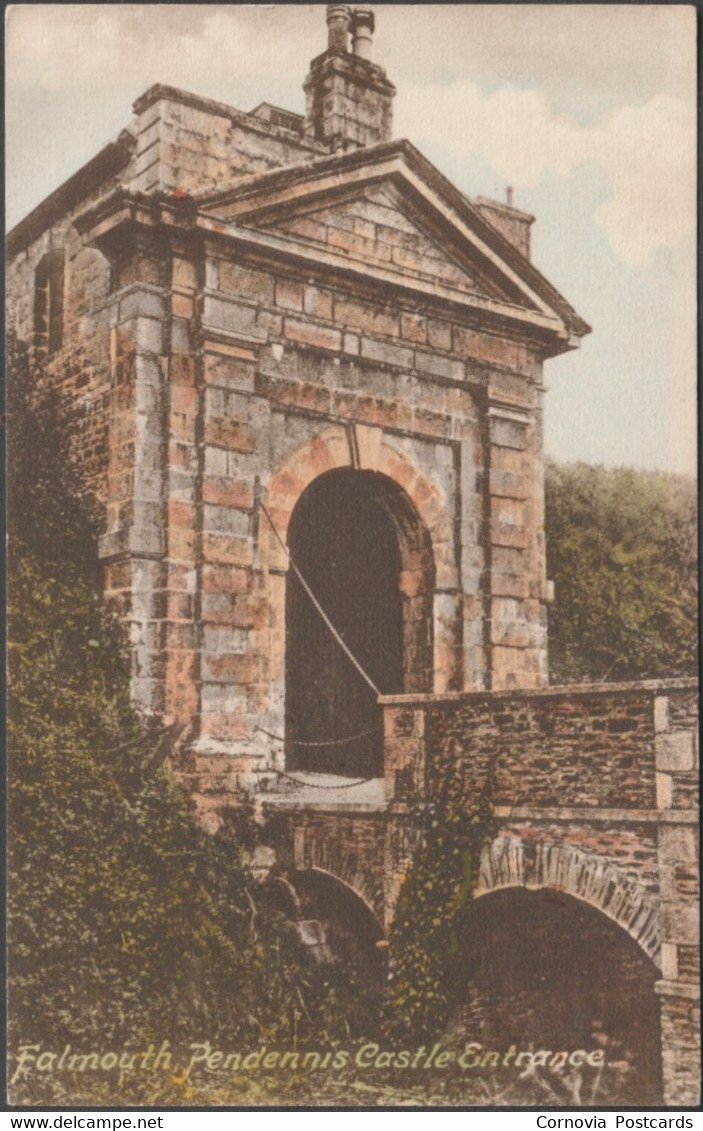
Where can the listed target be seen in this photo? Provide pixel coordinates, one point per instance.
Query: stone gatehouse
(302, 374)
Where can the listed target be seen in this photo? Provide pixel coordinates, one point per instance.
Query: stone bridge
(594, 792)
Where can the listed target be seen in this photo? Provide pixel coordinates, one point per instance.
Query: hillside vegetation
(622, 552)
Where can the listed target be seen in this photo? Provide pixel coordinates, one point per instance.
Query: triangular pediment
(376, 227)
(387, 212)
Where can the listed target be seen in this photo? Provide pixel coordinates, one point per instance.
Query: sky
(587, 111)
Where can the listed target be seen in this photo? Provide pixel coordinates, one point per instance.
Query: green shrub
(621, 549)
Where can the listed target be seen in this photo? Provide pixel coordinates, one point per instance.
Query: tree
(621, 549)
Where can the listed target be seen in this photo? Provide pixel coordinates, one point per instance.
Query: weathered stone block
(439, 366)
(413, 327)
(319, 302)
(680, 922)
(245, 281)
(236, 318)
(149, 337)
(664, 791)
(508, 484)
(669, 961)
(289, 294)
(227, 493)
(439, 334)
(242, 669)
(675, 751)
(235, 435)
(351, 343)
(509, 433)
(226, 520)
(508, 534)
(224, 579)
(386, 353)
(142, 302)
(225, 639)
(310, 334)
(511, 390)
(227, 549)
(367, 319)
(678, 844)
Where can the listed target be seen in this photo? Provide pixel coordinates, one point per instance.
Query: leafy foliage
(621, 549)
(125, 920)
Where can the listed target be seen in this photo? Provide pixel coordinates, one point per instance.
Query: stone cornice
(566, 690)
(482, 310)
(126, 207)
(109, 161)
(258, 195)
(106, 220)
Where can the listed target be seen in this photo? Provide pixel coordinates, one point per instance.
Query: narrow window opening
(48, 303)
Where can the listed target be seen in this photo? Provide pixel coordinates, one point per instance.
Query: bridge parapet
(589, 746)
(600, 782)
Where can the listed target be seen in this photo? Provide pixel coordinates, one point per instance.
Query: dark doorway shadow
(356, 539)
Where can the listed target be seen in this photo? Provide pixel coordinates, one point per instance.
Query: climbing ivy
(425, 950)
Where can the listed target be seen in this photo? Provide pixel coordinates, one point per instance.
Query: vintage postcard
(352, 567)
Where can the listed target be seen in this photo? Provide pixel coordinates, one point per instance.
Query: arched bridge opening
(349, 927)
(541, 970)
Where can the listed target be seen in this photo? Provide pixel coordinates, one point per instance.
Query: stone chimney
(510, 221)
(348, 98)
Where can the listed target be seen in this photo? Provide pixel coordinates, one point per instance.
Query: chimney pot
(509, 197)
(338, 21)
(363, 24)
(348, 99)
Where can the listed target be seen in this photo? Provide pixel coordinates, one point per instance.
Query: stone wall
(677, 765)
(581, 746)
(595, 793)
(79, 372)
(233, 381)
(620, 832)
(196, 144)
(175, 141)
(193, 376)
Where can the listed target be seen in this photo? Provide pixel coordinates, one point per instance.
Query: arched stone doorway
(366, 554)
(542, 970)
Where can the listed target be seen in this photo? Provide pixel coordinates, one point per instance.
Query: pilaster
(132, 547)
(676, 753)
(516, 582)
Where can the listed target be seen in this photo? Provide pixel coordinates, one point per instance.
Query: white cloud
(71, 47)
(643, 145)
(646, 152)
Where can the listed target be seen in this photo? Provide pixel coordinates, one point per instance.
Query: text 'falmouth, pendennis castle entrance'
(302, 374)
